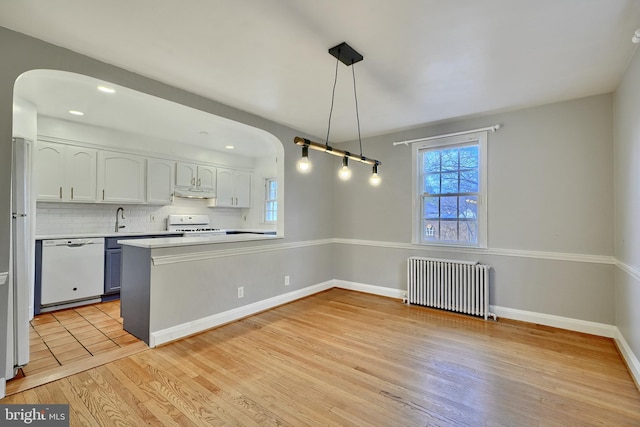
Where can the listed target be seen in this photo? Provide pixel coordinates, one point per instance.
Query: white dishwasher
(72, 269)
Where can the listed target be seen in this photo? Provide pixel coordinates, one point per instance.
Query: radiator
(457, 286)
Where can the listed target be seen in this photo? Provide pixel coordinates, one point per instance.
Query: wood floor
(346, 358)
(68, 341)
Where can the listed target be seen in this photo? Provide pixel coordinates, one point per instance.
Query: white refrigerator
(21, 271)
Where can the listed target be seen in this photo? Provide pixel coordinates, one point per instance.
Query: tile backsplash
(78, 218)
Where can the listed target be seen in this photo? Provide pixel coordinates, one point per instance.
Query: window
(450, 181)
(270, 200)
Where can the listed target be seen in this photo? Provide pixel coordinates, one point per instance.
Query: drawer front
(112, 243)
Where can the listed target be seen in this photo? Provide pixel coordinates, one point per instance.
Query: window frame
(417, 174)
(267, 200)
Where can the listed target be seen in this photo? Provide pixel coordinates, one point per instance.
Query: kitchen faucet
(121, 212)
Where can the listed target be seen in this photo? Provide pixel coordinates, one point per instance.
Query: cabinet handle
(71, 193)
(61, 193)
(199, 182)
(193, 181)
(236, 201)
(102, 194)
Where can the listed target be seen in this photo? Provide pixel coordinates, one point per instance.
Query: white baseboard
(585, 326)
(370, 289)
(600, 329)
(189, 328)
(632, 361)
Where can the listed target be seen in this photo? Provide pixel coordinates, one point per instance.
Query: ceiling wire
(355, 95)
(333, 95)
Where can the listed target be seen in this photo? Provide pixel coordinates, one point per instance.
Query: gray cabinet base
(135, 291)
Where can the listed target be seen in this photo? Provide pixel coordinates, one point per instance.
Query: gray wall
(185, 292)
(550, 210)
(627, 204)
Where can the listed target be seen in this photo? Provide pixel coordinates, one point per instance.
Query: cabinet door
(207, 178)
(80, 168)
(225, 192)
(242, 189)
(49, 171)
(160, 174)
(186, 174)
(112, 265)
(121, 177)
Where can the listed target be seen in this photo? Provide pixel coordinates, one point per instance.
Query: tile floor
(63, 337)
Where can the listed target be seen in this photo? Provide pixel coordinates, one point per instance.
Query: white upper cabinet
(70, 173)
(225, 193)
(65, 173)
(121, 177)
(49, 171)
(198, 177)
(243, 189)
(207, 177)
(81, 174)
(186, 174)
(234, 188)
(160, 174)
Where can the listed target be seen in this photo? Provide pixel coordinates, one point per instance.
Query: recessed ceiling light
(229, 147)
(76, 113)
(106, 89)
(203, 132)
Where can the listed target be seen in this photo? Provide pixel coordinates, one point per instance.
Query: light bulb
(304, 165)
(375, 178)
(636, 36)
(344, 173)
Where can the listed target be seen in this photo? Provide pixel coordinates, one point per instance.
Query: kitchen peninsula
(173, 287)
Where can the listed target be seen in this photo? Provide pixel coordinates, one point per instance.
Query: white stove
(192, 225)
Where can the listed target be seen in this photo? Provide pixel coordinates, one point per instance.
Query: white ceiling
(55, 93)
(424, 60)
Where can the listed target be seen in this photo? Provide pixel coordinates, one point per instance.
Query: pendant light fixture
(345, 172)
(375, 179)
(304, 165)
(348, 56)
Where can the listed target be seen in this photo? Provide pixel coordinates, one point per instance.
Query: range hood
(193, 193)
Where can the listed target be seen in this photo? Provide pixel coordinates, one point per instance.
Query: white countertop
(125, 234)
(171, 242)
(104, 234)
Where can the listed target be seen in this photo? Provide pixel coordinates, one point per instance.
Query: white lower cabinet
(121, 177)
(234, 188)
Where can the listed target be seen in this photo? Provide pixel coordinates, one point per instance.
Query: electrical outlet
(241, 292)
(286, 280)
